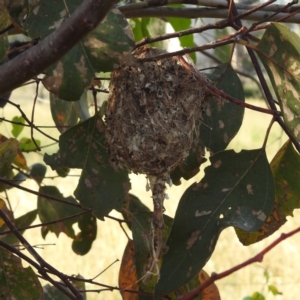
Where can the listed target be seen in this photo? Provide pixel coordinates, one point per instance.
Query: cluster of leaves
(242, 190)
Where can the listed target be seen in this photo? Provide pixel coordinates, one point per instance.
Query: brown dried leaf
(211, 292)
(127, 274)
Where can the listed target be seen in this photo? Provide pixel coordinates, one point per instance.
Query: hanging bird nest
(152, 111)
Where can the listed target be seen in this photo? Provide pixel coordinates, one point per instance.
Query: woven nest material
(151, 114)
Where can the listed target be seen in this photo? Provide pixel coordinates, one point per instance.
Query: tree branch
(35, 60)
(218, 13)
(210, 3)
(40, 269)
(12, 183)
(257, 258)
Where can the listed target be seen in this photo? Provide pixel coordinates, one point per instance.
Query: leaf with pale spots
(221, 119)
(230, 194)
(279, 51)
(286, 171)
(49, 210)
(70, 76)
(110, 43)
(17, 282)
(101, 186)
(285, 167)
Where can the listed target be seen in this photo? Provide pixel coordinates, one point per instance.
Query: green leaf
(17, 282)
(285, 167)
(142, 238)
(222, 119)
(23, 221)
(273, 289)
(186, 41)
(223, 53)
(101, 186)
(107, 45)
(18, 10)
(191, 165)
(133, 205)
(17, 128)
(140, 28)
(275, 220)
(38, 172)
(4, 15)
(230, 194)
(219, 124)
(85, 238)
(63, 171)
(3, 46)
(279, 51)
(257, 296)
(70, 76)
(65, 114)
(49, 210)
(27, 145)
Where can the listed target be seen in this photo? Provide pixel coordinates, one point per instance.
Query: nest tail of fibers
(152, 112)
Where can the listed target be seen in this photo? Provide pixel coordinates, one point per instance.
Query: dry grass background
(281, 263)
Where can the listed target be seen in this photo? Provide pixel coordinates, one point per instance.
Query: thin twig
(48, 223)
(217, 13)
(257, 258)
(168, 36)
(268, 94)
(220, 93)
(105, 269)
(47, 267)
(11, 183)
(204, 3)
(32, 115)
(29, 122)
(41, 270)
(229, 39)
(268, 133)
